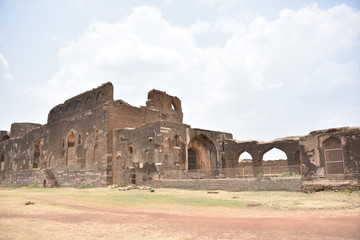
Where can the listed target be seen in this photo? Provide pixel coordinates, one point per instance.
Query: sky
(257, 69)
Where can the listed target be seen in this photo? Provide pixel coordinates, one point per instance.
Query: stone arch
(77, 104)
(334, 160)
(244, 156)
(273, 154)
(206, 152)
(88, 101)
(173, 105)
(68, 107)
(99, 96)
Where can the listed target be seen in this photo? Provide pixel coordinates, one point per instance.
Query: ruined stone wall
(313, 160)
(78, 131)
(290, 146)
(75, 138)
(20, 129)
(148, 150)
(4, 135)
(53, 178)
(21, 153)
(209, 146)
(159, 107)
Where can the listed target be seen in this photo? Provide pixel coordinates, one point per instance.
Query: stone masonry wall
(67, 178)
(280, 184)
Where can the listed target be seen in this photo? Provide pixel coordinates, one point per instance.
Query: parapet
(82, 102)
(20, 129)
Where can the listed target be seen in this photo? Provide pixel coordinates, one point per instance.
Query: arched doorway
(334, 161)
(202, 153)
(192, 159)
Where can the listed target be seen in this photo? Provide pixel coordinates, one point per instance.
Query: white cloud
(4, 70)
(262, 69)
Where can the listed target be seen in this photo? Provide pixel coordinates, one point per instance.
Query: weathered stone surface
(280, 184)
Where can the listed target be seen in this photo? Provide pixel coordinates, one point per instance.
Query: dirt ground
(188, 223)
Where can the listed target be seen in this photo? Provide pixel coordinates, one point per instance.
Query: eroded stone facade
(92, 139)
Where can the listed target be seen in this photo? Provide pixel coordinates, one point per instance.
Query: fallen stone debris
(127, 188)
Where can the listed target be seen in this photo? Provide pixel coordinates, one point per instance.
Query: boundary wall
(292, 184)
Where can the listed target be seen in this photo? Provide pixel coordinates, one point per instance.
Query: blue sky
(257, 70)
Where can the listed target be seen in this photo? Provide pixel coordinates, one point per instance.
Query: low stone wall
(330, 185)
(274, 184)
(23, 178)
(69, 178)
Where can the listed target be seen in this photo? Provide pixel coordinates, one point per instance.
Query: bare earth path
(65, 220)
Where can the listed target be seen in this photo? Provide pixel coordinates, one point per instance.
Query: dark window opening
(97, 134)
(131, 150)
(132, 176)
(176, 140)
(36, 154)
(79, 139)
(192, 159)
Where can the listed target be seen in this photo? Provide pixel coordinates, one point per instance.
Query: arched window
(71, 139)
(334, 162)
(173, 106)
(131, 150)
(79, 139)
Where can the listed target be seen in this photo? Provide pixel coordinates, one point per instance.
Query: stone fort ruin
(92, 139)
